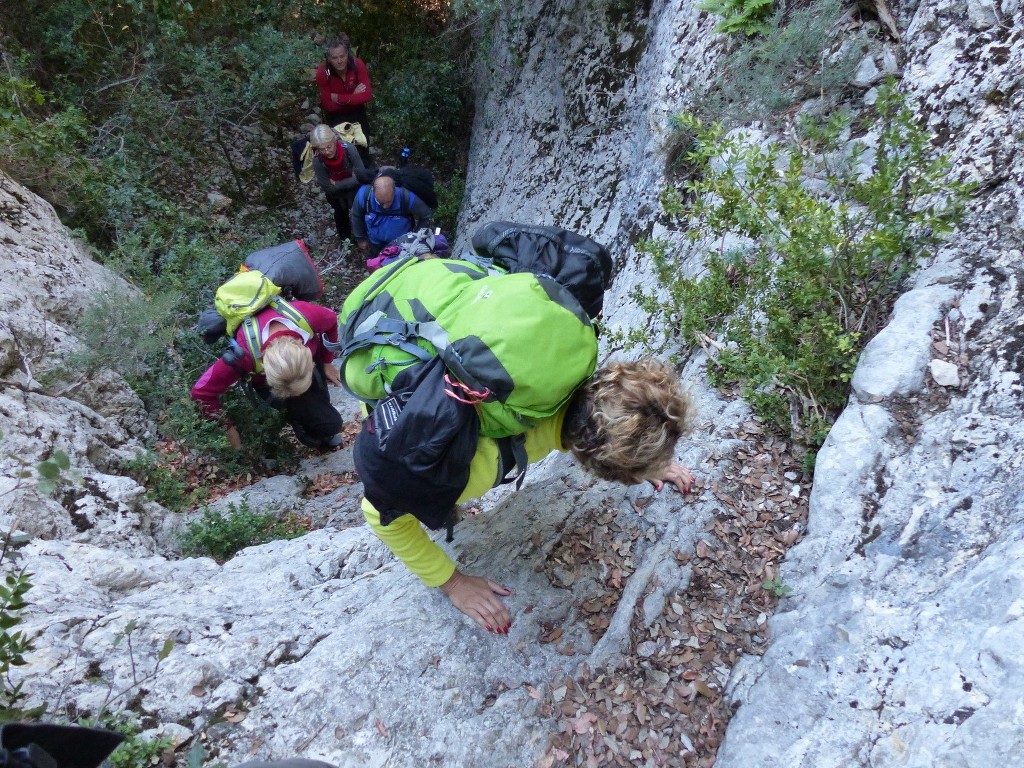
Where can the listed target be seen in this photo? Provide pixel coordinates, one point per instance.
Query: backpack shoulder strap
(251, 334)
(405, 202)
(286, 310)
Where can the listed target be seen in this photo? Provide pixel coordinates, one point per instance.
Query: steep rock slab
(325, 646)
(903, 641)
(46, 282)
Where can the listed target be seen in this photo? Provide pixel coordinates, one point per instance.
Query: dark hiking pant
(340, 201)
(315, 421)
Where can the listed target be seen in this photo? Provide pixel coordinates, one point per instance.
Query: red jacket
(343, 84)
(220, 376)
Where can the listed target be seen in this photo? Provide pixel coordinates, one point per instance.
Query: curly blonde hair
(626, 420)
(288, 366)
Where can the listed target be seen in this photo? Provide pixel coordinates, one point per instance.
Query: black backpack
(578, 263)
(414, 451)
(288, 266)
(415, 178)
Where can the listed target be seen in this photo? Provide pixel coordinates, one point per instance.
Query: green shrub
(223, 536)
(135, 751)
(144, 328)
(14, 644)
(751, 17)
(449, 203)
(798, 277)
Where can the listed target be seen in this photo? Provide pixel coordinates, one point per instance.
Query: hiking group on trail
(470, 368)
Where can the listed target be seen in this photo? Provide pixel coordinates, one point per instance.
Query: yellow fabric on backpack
(352, 133)
(307, 174)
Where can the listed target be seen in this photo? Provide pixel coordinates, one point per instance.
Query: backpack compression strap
(378, 328)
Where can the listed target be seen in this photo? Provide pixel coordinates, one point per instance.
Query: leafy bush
(799, 276)
(751, 17)
(406, 98)
(13, 644)
(222, 537)
(144, 328)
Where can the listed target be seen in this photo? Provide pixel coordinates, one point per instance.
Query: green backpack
(517, 346)
(243, 296)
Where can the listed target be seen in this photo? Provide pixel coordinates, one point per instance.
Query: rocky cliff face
(899, 645)
(46, 283)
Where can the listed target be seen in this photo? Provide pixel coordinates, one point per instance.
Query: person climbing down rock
(621, 425)
(283, 356)
(475, 368)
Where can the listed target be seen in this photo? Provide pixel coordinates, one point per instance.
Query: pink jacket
(220, 376)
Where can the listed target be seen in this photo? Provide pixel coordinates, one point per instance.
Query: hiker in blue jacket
(381, 212)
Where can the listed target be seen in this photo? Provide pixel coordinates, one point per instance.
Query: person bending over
(283, 356)
(622, 424)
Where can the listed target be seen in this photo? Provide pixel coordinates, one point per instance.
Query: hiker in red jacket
(290, 369)
(344, 84)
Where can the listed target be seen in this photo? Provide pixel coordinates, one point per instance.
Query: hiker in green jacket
(622, 424)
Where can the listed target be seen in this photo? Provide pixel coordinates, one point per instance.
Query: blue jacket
(379, 225)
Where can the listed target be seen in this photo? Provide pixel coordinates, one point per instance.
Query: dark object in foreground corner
(35, 745)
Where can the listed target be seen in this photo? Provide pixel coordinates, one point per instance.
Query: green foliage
(449, 203)
(784, 65)
(406, 98)
(51, 470)
(50, 473)
(135, 751)
(144, 330)
(751, 17)
(777, 587)
(223, 536)
(165, 484)
(808, 247)
(14, 644)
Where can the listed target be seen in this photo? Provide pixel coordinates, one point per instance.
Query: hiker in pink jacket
(280, 351)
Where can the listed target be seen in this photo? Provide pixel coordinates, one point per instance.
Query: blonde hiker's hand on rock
(331, 374)
(676, 474)
(477, 597)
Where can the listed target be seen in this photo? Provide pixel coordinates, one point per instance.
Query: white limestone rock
(945, 373)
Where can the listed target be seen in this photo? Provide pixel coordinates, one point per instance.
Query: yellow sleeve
(545, 436)
(406, 537)
(408, 541)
